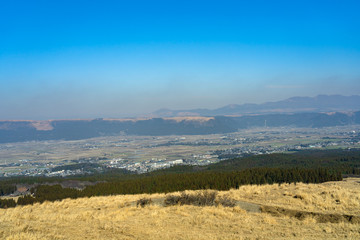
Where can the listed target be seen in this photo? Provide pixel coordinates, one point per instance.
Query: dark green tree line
(184, 181)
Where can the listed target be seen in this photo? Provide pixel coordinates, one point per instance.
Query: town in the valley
(142, 154)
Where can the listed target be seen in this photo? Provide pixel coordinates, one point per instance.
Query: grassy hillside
(118, 217)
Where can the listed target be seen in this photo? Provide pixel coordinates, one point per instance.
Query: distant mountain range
(321, 111)
(321, 103)
(18, 131)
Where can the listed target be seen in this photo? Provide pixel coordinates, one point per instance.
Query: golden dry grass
(116, 217)
(331, 197)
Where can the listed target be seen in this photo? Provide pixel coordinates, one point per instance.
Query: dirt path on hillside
(301, 215)
(279, 211)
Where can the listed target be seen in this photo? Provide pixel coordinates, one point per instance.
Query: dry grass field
(117, 217)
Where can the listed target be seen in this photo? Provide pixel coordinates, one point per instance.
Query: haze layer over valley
(321, 111)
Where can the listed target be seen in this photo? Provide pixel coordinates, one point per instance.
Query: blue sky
(86, 59)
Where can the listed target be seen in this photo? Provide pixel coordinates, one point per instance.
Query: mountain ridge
(13, 131)
(319, 103)
(320, 111)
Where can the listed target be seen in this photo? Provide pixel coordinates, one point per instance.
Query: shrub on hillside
(226, 201)
(171, 200)
(143, 202)
(7, 203)
(27, 199)
(200, 198)
(203, 198)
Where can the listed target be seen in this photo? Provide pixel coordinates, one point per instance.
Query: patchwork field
(36, 156)
(329, 210)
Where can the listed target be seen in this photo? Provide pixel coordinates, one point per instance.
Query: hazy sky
(86, 59)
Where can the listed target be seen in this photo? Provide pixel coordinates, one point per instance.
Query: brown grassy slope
(330, 197)
(116, 217)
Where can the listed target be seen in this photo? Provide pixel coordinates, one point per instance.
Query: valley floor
(117, 217)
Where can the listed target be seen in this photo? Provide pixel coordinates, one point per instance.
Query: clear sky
(87, 59)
